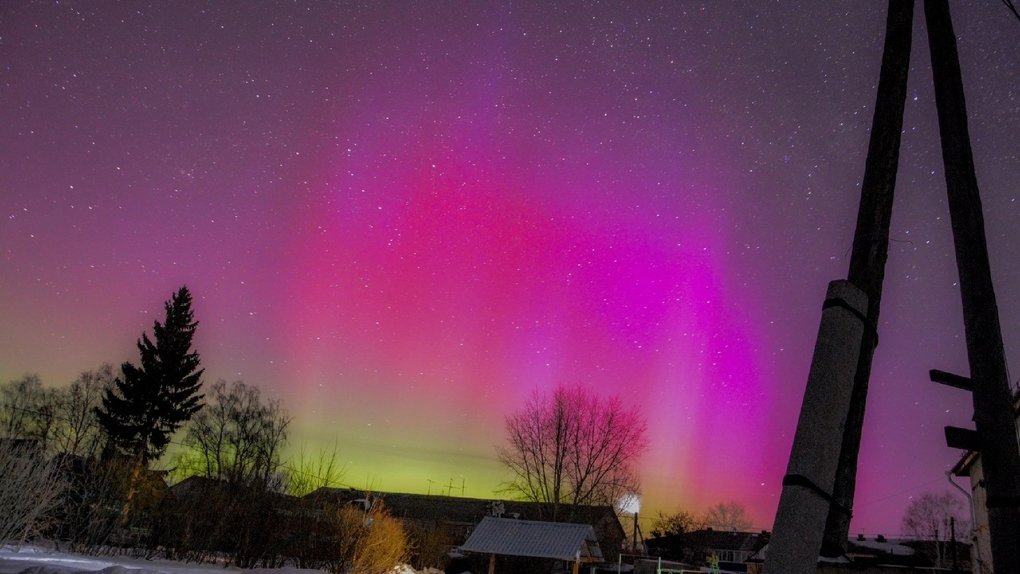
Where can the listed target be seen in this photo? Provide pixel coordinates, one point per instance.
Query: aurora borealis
(402, 218)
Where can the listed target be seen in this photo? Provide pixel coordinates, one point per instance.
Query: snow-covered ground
(37, 560)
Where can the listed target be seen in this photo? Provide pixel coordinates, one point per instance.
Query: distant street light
(631, 504)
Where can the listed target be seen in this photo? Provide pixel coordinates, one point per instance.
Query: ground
(39, 560)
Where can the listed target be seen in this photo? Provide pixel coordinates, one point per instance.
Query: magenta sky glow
(401, 219)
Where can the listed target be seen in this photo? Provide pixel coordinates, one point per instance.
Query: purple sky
(401, 218)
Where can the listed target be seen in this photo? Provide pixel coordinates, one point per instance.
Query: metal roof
(533, 538)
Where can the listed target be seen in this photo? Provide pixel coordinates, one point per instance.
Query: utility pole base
(811, 474)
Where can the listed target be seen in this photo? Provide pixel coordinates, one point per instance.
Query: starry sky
(400, 219)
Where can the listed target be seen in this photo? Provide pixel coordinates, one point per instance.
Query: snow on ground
(38, 560)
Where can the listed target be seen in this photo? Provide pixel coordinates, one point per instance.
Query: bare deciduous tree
(430, 544)
(90, 511)
(26, 409)
(730, 516)
(77, 430)
(573, 447)
(372, 542)
(30, 487)
(361, 538)
(237, 437)
(928, 518)
(675, 524)
(314, 472)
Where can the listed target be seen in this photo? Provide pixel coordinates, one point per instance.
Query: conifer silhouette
(151, 401)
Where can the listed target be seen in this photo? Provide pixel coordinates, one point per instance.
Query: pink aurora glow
(402, 218)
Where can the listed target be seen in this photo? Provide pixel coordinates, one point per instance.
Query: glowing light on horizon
(630, 504)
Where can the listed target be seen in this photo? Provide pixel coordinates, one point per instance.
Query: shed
(459, 515)
(534, 539)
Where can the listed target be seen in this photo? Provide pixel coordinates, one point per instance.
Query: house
(194, 485)
(203, 516)
(561, 542)
(732, 550)
(877, 554)
(970, 466)
(460, 515)
(880, 550)
(108, 500)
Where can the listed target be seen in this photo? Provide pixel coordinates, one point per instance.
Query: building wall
(981, 549)
(980, 553)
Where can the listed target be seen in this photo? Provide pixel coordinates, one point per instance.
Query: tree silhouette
(929, 518)
(151, 401)
(574, 448)
(237, 437)
(680, 522)
(730, 516)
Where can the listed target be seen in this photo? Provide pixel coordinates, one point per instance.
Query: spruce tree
(152, 400)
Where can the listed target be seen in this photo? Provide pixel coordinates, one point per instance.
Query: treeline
(76, 468)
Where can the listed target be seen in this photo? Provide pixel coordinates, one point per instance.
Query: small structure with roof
(458, 516)
(730, 549)
(562, 541)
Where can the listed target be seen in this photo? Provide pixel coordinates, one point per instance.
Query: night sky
(401, 218)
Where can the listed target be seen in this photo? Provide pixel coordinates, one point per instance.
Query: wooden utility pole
(994, 418)
(815, 508)
(870, 251)
(818, 489)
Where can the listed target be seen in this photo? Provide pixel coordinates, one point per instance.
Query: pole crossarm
(966, 439)
(949, 379)
(822, 472)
